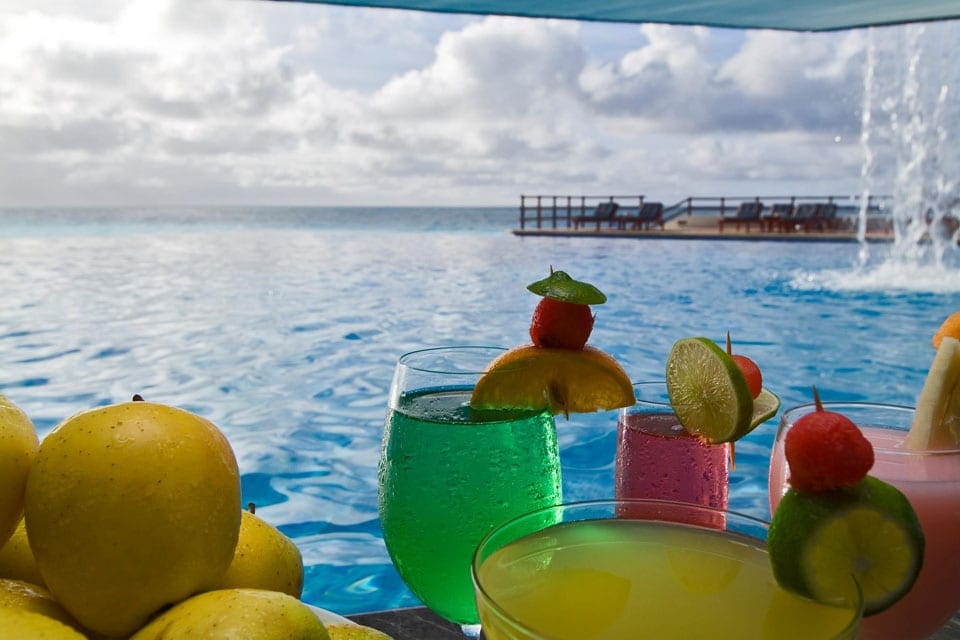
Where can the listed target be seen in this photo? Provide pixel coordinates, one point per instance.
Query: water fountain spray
(910, 125)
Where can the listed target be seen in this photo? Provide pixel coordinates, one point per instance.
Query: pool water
(283, 326)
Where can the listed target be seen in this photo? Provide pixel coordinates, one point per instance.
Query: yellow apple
(21, 624)
(31, 597)
(16, 558)
(264, 559)
(227, 614)
(130, 508)
(18, 446)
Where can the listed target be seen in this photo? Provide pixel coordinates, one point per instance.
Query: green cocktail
(449, 474)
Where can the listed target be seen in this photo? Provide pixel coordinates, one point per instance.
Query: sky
(132, 102)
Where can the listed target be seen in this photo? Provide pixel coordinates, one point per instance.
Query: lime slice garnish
(561, 286)
(765, 406)
(708, 392)
(818, 541)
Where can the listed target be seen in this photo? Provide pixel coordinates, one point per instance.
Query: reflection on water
(910, 124)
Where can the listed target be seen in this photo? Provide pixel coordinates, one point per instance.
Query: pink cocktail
(658, 459)
(931, 481)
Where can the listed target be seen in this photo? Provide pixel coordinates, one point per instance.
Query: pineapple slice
(936, 423)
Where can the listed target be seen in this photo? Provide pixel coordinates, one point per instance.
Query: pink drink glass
(931, 481)
(658, 459)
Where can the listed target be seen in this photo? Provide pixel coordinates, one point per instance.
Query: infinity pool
(283, 326)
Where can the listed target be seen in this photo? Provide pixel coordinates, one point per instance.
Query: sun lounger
(827, 217)
(650, 213)
(747, 213)
(779, 219)
(807, 216)
(605, 212)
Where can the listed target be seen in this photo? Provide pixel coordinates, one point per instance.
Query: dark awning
(799, 15)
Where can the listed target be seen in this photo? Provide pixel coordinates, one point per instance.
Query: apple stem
(816, 399)
(251, 507)
(729, 346)
(137, 397)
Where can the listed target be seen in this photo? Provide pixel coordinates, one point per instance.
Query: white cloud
(250, 101)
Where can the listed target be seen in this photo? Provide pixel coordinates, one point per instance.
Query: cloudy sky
(255, 102)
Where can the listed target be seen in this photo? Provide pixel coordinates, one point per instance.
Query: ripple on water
(287, 337)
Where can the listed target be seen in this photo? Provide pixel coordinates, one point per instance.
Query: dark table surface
(420, 623)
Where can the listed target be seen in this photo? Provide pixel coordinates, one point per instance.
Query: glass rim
(405, 358)
(808, 407)
(667, 405)
(613, 502)
(648, 383)
(600, 502)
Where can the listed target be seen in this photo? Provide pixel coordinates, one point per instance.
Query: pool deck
(699, 228)
(419, 623)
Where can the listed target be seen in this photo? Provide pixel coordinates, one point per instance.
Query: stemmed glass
(449, 473)
(931, 481)
(586, 570)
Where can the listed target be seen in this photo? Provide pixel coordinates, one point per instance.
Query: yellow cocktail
(579, 572)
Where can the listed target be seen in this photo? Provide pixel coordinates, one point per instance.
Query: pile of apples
(126, 522)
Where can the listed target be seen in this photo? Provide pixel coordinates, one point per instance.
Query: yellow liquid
(622, 579)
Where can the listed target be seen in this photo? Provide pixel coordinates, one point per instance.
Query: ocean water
(282, 325)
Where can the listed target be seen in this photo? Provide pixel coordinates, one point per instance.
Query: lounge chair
(807, 216)
(605, 212)
(747, 213)
(827, 217)
(779, 219)
(650, 213)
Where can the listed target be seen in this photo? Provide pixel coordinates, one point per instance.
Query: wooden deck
(703, 228)
(829, 218)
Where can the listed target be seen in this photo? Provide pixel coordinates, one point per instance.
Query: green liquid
(447, 477)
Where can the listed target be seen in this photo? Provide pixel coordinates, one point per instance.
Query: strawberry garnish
(751, 373)
(561, 325)
(749, 369)
(826, 450)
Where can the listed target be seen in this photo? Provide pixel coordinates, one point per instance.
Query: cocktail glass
(448, 474)
(585, 570)
(658, 459)
(931, 481)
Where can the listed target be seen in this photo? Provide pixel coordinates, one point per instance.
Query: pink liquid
(931, 481)
(657, 459)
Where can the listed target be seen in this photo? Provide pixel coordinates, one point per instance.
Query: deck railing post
(576, 213)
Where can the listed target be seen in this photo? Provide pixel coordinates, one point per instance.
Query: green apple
(264, 559)
(16, 558)
(31, 597)
(130, 508)
(18, 446)
(21, 624)
(226, 614)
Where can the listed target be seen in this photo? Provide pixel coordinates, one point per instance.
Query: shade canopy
(797, 15)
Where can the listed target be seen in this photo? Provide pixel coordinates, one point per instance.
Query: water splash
(910, 123)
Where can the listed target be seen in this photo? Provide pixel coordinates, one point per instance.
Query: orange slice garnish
(563, 380)
(949, 329)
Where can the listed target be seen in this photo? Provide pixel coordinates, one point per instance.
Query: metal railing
(560, 211)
